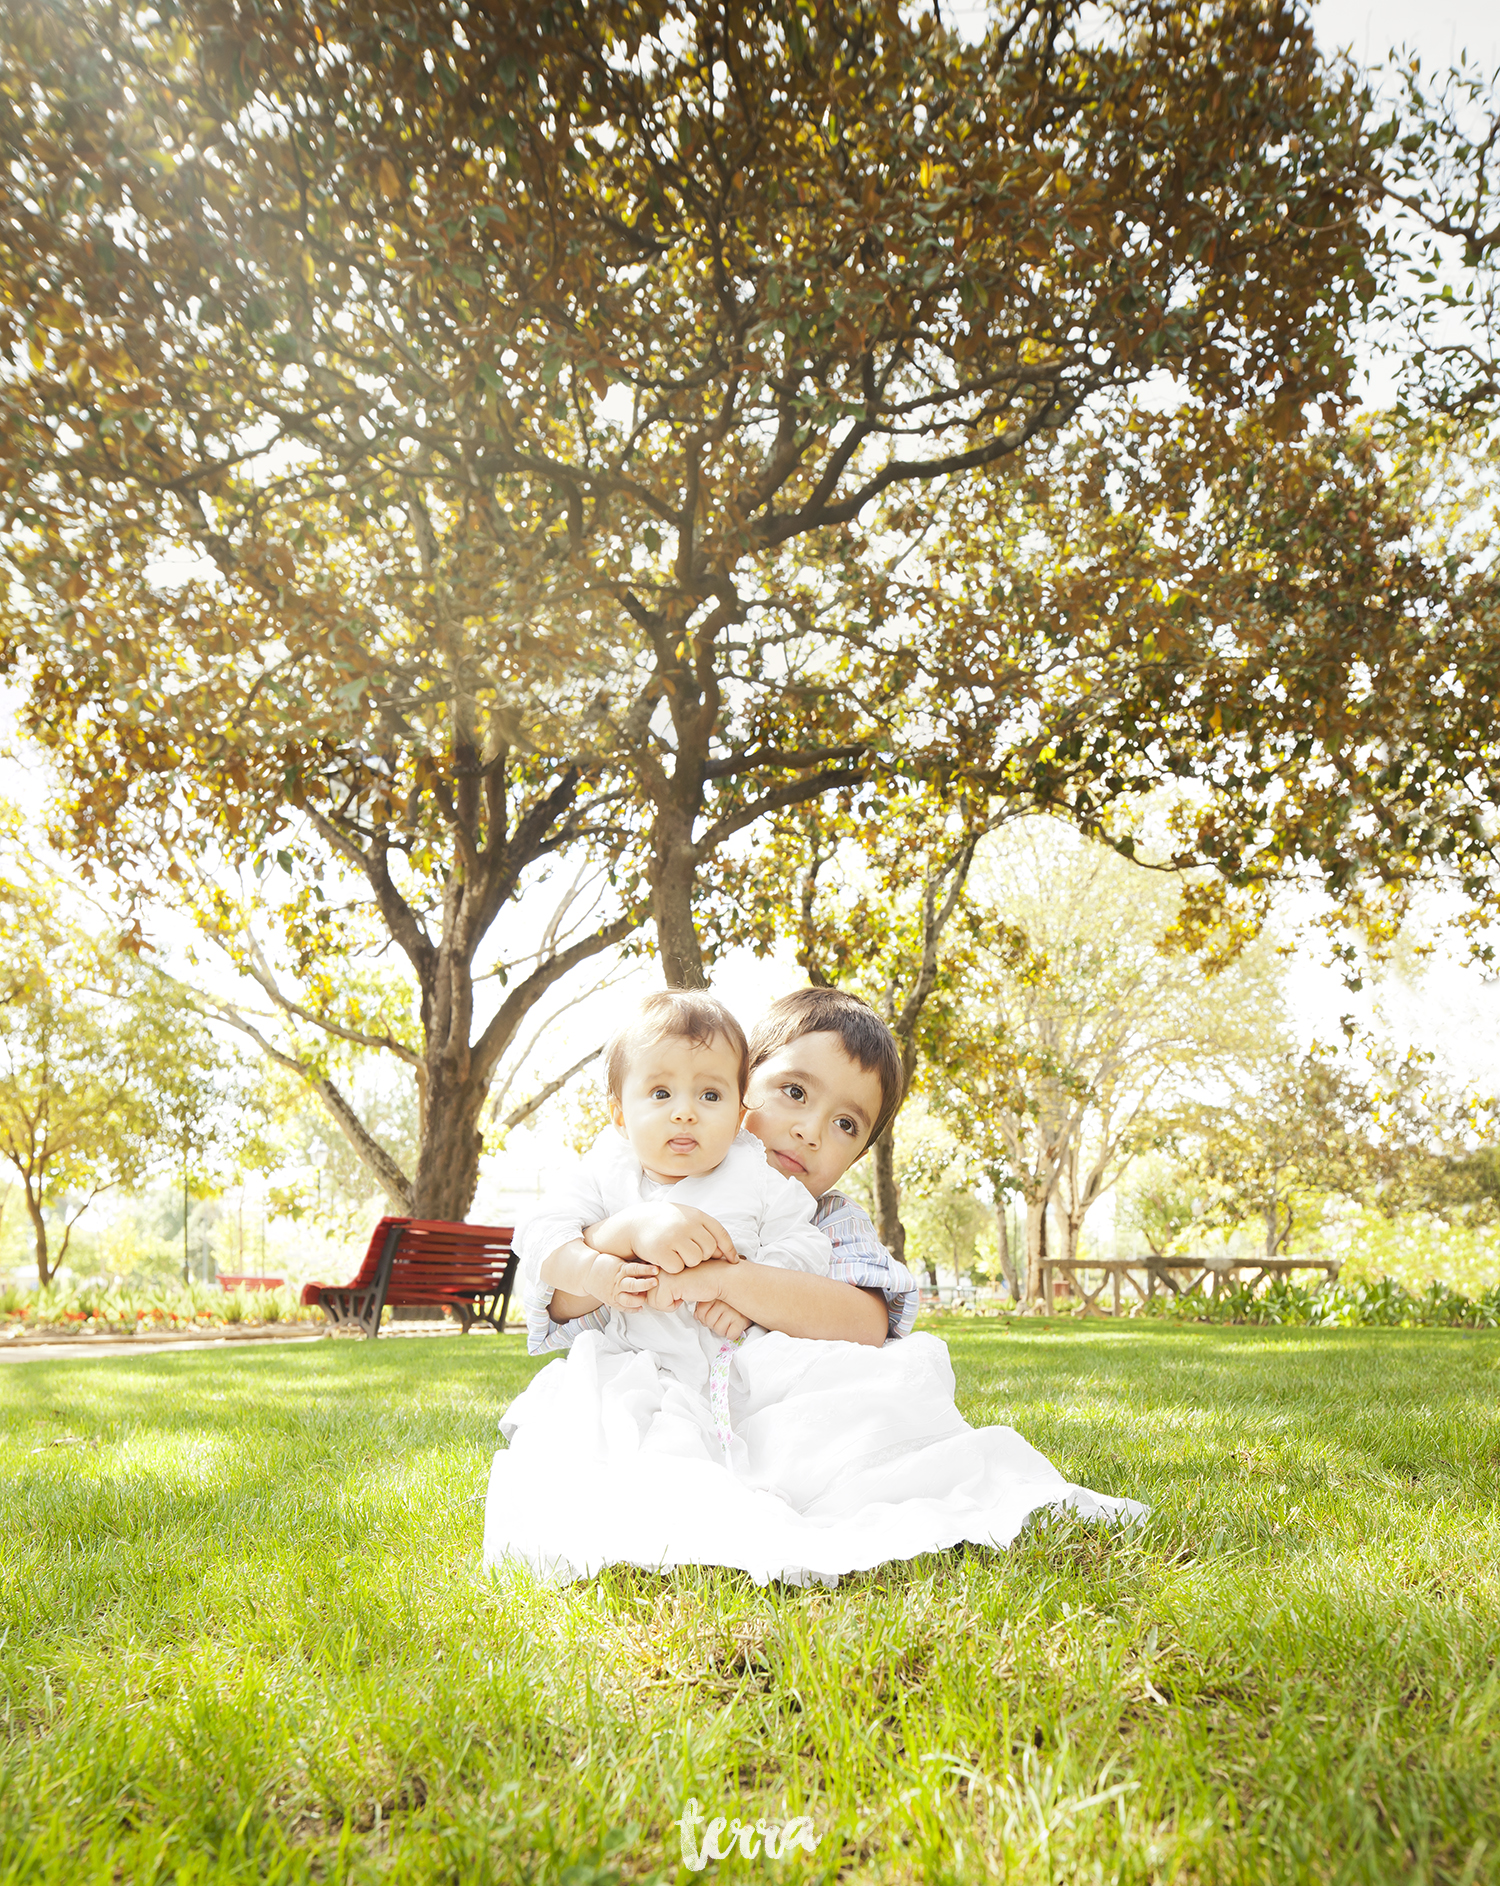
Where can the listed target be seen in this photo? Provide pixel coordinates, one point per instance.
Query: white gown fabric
(654, 1443)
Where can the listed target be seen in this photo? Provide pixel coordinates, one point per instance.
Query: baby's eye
(661, 1093)
(712, 1093)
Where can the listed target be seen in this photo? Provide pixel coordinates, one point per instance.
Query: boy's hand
(722, 1320)
(678, 1237)
(675, 1287)
(620, 1282)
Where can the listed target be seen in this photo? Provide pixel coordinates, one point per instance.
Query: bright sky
(1438, 32)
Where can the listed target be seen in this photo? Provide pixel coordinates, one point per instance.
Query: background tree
(511, 390)
(91, 1063)
(1315, 1124)
(944, 1219)
(1159, 1204)
(1086, 1028)
(206, 1112)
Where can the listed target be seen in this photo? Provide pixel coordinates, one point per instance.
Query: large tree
(511, 388)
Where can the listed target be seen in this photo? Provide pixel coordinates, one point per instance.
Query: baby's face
(811, 1105)
(679, 1106)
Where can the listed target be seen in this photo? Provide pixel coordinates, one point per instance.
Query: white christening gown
(655, 1443)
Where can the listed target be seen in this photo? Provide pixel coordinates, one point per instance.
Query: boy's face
(811, 1105)
(679, 1106)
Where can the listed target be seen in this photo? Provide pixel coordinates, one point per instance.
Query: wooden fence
(1182, 1276)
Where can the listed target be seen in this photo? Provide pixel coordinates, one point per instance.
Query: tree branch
(367, 1149)
(544, 1094)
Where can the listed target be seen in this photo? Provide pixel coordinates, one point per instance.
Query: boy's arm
(794, 1302)
(860, 1258)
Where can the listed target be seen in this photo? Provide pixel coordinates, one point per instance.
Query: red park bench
(466, 1269)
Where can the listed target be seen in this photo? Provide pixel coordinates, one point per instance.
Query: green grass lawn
(244, 1634)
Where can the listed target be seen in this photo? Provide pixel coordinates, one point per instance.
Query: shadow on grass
(285, 1388)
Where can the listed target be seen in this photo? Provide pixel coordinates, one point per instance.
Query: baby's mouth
(682, 1145)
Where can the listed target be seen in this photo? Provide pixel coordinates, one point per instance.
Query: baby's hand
(678, 1237)
(722, 1320)
(620, 1282)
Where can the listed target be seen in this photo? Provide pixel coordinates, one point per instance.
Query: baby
(677, 1182)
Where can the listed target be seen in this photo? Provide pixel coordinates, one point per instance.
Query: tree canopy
(440, 440)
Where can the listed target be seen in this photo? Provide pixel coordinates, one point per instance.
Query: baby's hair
(864, 1036)
(686, 1014)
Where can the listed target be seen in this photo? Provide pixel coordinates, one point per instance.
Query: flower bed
(126, 1310)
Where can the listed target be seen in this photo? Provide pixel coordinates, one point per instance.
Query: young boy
(825, 1081)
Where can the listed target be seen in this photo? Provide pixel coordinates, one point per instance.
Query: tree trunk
(672, 906)
(1036, 1244)
(1007, 1262)
(39, 1234)
(448, 1161)
(888, 1199)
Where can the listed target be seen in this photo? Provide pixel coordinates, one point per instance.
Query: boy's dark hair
(864, 1036)
(689, 1014)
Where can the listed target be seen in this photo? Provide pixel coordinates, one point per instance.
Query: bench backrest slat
(436, 1261)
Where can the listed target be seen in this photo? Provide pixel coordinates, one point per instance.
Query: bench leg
(346, 1309)
(495, 1310)
(375, 1298)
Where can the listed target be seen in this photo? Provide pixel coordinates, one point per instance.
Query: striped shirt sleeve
(544, 1337)
(860, 1258)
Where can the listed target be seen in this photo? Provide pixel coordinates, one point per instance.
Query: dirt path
(85, 1348)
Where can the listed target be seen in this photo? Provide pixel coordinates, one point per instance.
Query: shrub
(1380, 1304)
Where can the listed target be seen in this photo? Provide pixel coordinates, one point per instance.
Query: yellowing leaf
(308, 271)
(390, 182)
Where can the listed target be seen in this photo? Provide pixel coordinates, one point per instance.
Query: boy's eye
(793, 1091)
(846, 1125)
